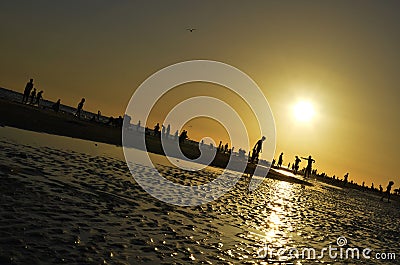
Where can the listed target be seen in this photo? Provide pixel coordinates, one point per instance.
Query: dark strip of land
(27, 117)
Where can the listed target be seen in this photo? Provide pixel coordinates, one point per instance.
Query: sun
(303, 111)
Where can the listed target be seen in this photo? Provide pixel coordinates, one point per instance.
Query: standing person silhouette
(308, 170)
(280, 160)
(33, 95)
(56, 106)
(257, 149)
(163, 130)
(297, 161)
(27, 91)
(168, 131)
(387, 192)
(183, 136)
(157, 129)
(38, 98)
(79, 108)
(219, 146)
(346, 177)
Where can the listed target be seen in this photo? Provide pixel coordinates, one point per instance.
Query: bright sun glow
(303, 111)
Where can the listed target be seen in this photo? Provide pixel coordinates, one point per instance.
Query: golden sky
(342, 56)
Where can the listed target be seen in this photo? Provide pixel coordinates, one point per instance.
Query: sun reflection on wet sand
(92, 211)
(275, 228)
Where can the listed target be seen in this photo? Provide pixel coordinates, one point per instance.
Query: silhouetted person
(380, 189)
(308, 170)
(56, 106)
(33, 95)
(273, 162)
(163, 130)
(176, 135)
(220, 146)
(98, 115)
(346, 178)
(157, 129)
(79, 108)
(183, 136)
(226, 148)
(168, 131)
(257, 149)
(38, 98)
(27, 91)
(297, 161)
(280, 160)
(387, 192)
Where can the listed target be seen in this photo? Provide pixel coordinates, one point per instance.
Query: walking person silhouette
(387, 192)
(257, 149)
(79, 108)
(38, 98)
(296, 164)
(280, 160)
(27, 91)
(308, 170)
(157, 129)
(33, 95)
(56, 106)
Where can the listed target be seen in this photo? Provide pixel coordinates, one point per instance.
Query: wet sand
(65, 206)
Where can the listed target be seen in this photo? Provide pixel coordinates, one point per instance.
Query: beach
(199, 132)
(71, 201)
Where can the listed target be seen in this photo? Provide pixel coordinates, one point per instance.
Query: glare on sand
(303, 111)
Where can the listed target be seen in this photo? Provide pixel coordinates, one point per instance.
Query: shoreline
(32, 118)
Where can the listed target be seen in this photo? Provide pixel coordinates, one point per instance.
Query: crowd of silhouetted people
(32, 96)
(307, 172)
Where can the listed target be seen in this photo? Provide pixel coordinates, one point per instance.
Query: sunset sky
(342, 57)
